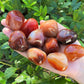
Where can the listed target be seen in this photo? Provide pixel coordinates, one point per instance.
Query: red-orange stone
(17, 41)
(74, 52)
(36, 55)
(58, 61)
(30, 25)
(49, 28)
(51, 45)
(14, 20)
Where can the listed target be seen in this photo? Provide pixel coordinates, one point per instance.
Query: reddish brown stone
(14, 20)
(17, 41)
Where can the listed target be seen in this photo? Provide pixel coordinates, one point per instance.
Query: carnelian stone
(51, 45)
(14, 20)
(74, 51)
(49, 28)
(66, 36)
(58, 61)
(29, 25)
(36, 55)
(17, 41)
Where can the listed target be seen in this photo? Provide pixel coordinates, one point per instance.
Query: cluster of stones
(43, 42)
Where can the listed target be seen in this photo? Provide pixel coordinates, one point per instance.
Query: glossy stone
(74, 51)
(14, 20)
(36, 38)
(66, 36)
(36, 55)
(58, 61)
(49, 28)
(17, 41)
(29, 25)
(51, 45)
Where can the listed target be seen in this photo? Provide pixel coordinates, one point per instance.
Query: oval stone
(74, 51)
(66, 36)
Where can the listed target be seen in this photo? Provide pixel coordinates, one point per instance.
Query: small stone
(14, 20)
(73, 52)
(66, 36)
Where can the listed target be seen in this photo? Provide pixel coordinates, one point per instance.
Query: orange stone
(36, 55)
(49, 28)
(58, 61)
(74, 52)
(51, 45)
